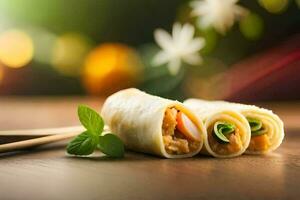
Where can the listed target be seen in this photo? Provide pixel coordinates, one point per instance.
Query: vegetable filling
(180, 135)
(259, 139)
(225, 138)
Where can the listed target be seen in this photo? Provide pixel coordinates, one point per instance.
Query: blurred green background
(65, 33)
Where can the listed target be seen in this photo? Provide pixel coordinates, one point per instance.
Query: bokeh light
(274, 6)
(16, 48)
(43, 41)
(252, 26)
(111, 67)
(69, 52)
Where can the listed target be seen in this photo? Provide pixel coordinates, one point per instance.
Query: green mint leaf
(91, 120)
(83, 144)
(111, 145)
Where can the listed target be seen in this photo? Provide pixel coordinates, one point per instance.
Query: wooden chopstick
(36, 141)
(42, 132)
(49, 135)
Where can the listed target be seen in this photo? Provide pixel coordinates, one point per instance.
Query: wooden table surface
(47, 173)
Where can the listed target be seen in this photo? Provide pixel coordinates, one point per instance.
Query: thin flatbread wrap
(267, 129)
(154, 125)
(228, 132)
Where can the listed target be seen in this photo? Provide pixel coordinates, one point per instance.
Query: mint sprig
(111, 145)
(83, 144)
(90, 119)
(86, 142)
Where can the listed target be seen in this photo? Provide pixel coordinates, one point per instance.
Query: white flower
(178, 47)
(220, 14)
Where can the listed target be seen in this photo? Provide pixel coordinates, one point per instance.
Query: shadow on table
(135, 156)
(57, 150)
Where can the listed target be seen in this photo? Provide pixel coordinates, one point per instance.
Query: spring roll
(228, 132)
(154, 125)
(267, 130)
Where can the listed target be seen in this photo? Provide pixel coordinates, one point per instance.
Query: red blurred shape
(271, 75)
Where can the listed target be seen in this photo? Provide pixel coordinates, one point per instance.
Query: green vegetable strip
(221, 129)
(256, 127)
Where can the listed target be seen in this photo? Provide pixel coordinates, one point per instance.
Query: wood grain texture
(47, 173)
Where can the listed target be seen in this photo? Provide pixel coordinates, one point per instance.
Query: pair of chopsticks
(44, 136)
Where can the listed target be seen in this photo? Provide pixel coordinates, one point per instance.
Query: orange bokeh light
(109, 68)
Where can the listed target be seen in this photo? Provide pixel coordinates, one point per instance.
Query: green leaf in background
(111, 145)
(221, 129)
(83, 144)
(163, 84)
(211, 38)
(91, 120)
(252, 26)
(157, 80)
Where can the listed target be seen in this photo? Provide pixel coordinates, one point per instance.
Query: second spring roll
(267, 130)
(228, 132)
(154, 125)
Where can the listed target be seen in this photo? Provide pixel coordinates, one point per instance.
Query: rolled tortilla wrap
(228, 132)
(153, 125)
(267, 130)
